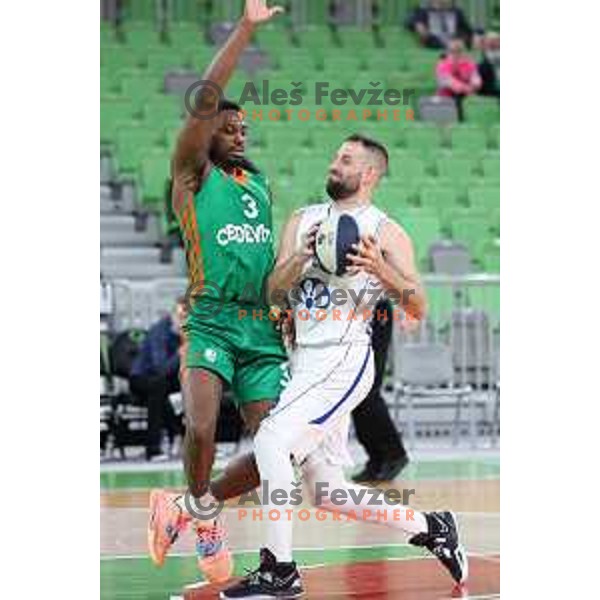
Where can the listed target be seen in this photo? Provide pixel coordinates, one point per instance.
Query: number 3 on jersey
(251, 210)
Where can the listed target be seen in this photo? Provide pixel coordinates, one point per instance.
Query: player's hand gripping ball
(336, 238)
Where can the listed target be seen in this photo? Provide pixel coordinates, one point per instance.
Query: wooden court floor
(346, 559)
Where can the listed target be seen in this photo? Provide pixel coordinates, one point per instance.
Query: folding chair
(426, 371)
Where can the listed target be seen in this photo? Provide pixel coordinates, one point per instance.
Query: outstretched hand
(257, 11)
(368, 257)
(307, 247)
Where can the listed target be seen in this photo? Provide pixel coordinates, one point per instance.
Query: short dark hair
(226, 104)
(371, 144)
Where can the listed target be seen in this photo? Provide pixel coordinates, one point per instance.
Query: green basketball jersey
(227, 229)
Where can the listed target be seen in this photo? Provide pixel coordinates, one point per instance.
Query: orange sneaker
(214, 557)
(167, 520)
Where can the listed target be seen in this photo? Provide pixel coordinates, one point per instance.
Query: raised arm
(190, 159)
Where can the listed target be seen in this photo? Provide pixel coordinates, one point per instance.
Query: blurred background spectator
(375, 429)
(489, 65)
(457, 75)
(439, 21)
(155, 375)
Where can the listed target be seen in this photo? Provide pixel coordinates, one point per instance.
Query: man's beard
(338, 190)
(231, 162)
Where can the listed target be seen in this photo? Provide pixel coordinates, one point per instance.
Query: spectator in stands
(457, 75)
(439, 21)
(489, 66)
(155, 375)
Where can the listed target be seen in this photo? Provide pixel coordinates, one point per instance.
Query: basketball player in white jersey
(332, 369)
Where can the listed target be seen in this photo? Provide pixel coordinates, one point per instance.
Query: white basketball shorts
(313, 413)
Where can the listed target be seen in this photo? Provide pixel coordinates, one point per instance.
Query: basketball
(335, 239)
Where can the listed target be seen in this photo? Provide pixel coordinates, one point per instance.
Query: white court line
(488, 477)
(492, 556)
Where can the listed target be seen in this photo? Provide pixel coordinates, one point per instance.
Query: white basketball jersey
(331, 310)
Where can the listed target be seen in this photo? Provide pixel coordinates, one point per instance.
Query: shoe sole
(157, 554)
(284, 595)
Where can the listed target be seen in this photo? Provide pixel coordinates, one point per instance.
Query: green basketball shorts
(242, 346)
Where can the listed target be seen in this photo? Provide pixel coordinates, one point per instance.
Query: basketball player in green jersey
(223, 206)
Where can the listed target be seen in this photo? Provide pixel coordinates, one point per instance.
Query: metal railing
(463, 321)
(463, 318)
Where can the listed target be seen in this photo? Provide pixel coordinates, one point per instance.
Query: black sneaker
(442, 540)
(390, 469)
(367, 473)
(270, 580)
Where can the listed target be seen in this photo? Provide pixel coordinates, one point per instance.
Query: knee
(253, 414)
(200, 431)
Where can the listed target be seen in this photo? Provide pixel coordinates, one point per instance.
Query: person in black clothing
(438, 22)
(374, 427)
(155, 375)
(489, 66)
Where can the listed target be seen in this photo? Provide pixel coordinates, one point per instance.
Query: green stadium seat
(484, 198)
(188, 11)
(317, 40)
(141, 35)
(486, 298)
(394, 195)
(274, 39)
(359, 41)
(110, 82)
(491, 261)
(107, 34)
(440, 303)
(422, 140)
(154, 172)
(472, 229)
(460, 170)
(162, 108)
(115, 114)
(189, 40)
(407, 168)
(491, 168)
(438, 199)
(424, 228)
(138, 85)
(163, 59)
(117, 56)
(140, 10)
(482, 111)
(494, 137)
(468, 139)
(226, 11)
(283, 139)
(395, 38)
(133, 144)
(317, 12)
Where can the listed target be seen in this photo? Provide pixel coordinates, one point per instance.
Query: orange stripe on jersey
(240, 176)
(191, 236)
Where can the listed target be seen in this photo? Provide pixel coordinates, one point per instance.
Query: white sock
(396, 516)
(275, 466)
